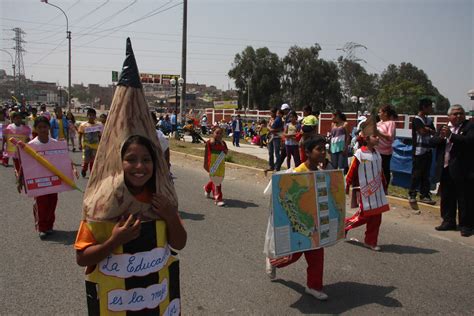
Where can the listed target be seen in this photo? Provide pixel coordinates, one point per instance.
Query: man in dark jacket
(455, 167)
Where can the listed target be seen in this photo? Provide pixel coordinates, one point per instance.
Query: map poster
(308, 210)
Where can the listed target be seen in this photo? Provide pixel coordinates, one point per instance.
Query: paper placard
(38, 179)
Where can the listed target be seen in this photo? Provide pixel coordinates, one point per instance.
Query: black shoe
(427, 200)
(466, 232)
(446, 226)
(83, 173)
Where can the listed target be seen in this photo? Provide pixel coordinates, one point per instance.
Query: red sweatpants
(215, 189)
(373, 225)
(43, 210)
(314, 272)
(89, 164)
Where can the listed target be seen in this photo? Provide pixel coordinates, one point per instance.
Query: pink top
(385, 146)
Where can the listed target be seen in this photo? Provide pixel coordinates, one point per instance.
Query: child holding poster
(45, 205)
(89, 137)
(368, 183)
(19, 131)
(214, 163)
(315, 150)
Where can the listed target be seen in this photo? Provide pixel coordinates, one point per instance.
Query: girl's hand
(164, 207)
(126, 230)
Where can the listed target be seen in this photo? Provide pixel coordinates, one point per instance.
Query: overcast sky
(435, 35)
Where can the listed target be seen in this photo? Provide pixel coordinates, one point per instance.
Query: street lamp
(176, 83)
(68, 36)
(357, 101)
(60, 96)
(470, 93)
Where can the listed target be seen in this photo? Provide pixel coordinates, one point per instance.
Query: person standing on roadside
(285, 109)
(422, 131)
(455, 166)
(275, 127)
(173, 121)
(340, 139)
(386, 132)
(237, 128)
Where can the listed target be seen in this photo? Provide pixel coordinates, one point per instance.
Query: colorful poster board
(38, 179)
(308, 210)
(232, 104)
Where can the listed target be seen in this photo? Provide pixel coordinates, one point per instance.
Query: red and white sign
(38, 179)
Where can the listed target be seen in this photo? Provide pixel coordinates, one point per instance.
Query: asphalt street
(418, 272)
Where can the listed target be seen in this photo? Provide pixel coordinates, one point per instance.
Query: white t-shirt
(204, 121)
(36, 141)
(164, 143)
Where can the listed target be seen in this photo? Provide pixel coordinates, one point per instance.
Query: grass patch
(232, 156)
(403, 193)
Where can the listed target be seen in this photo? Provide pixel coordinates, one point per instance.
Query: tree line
(302, 77)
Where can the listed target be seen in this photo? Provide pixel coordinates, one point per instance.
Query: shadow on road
(239, 203)
(191, 216)
(343, 296)
(402, 249)
(63, 237)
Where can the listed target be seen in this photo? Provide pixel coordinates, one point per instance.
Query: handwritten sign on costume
(38, 179)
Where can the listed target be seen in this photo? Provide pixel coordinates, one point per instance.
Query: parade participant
(103, 118)
(89, 137)
(130, 213)
(72, 129)
(214, 163)
(315, 148)
(290, 133)
(18, 131)
(30, 121)
(368, 183)
(387, 131)
(59, 125)
(45, 205)
(44, 112)
(340, 139)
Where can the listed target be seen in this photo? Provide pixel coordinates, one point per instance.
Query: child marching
(214, 163)
(18, 131)
(89, 137)
(45, 204)
(367, 180)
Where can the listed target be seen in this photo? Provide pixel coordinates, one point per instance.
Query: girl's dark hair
(73, 119)
(391, 113)
(338, 113)
(313, 141)
(293, 113)
(145, 142)
(40, 119)
(308, 109)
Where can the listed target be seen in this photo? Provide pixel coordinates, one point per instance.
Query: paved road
(419, 271)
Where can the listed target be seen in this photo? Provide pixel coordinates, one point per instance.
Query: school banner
(38, 179)
(308, 210)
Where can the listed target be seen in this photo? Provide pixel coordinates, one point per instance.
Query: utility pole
(183, 61)
(20, 66)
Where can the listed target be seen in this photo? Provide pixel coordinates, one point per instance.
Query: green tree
(310, 80)
(259, 71)
(355, 81)
(403, 86)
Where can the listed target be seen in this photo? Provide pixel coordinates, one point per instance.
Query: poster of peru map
(308, 210)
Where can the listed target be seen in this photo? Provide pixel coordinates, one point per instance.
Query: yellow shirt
(61, 129)
(91, 134)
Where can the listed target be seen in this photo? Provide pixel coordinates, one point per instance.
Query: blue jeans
(339, 160)
(273, 152)
(236, 138)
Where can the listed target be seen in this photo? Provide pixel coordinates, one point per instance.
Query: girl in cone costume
(368, 182)
(130, 220)
(214, 163)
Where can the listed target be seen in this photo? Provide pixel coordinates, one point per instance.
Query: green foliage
(261, 71)
(310, 80)
(403, 86)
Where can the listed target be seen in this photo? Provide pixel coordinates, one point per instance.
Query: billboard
(232, 104)
(150, 78)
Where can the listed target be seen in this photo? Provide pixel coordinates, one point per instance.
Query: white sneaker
(316, 294)
(207, 194)
(269, 269)
(220, 203)
(374, 248)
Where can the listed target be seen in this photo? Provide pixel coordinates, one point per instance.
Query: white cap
(285, 106)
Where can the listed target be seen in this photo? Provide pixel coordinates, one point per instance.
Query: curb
(393, 200)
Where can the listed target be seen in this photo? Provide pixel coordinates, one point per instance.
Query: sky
(436, 36)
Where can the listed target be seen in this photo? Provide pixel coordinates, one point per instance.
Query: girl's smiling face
(137, 166)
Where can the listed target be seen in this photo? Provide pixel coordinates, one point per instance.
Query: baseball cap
(285, 106)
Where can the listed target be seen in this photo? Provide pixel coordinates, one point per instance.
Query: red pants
(314, 272)
(216, 190)
(302, 154)
(87, 164)
(43, 210)
(373, 225)
(16, 163)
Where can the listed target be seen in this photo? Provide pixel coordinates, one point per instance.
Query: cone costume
(141, 276)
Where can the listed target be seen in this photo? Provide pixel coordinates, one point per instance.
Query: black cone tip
(129, 76)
